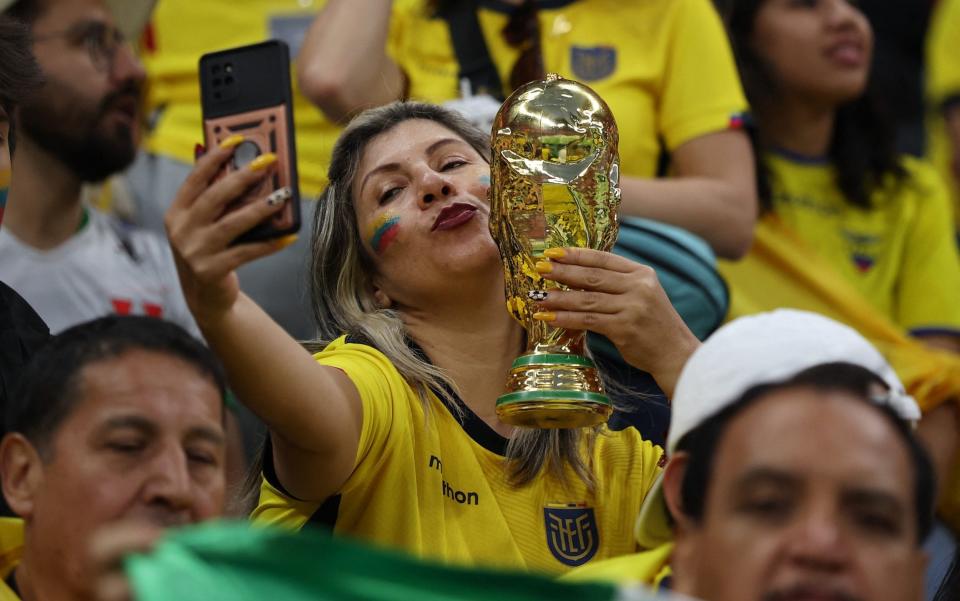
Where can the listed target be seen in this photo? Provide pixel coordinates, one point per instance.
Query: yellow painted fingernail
(543, 267)
(285, 241)
(234, 140)
(545, 316)
(263, 161)
(555, 253)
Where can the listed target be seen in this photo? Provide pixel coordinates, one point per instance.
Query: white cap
(766, 348)
(131, 16)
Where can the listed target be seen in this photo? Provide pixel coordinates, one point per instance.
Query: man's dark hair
(863, 147)
(19, 72)
(50, 386)
(27, 11)
(702, 442)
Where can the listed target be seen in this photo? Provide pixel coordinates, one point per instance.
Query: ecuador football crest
(572, 534)
(593, 63)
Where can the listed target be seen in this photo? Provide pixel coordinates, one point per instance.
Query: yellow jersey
(11, 552)
(664, 67)
(650, 568)
(428, 484)
(901, 254)
(182, 30)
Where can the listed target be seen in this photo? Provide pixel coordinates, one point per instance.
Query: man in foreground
(119, 420)
(793, 472)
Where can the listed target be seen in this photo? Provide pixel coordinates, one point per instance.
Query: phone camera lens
(245, 152)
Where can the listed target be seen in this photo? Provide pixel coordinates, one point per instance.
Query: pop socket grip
(245, 153)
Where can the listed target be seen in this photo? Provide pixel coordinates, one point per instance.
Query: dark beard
(77, 137)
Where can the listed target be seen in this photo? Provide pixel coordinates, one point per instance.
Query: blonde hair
(343, 301)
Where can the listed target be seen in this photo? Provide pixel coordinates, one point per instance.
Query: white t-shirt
(106, 267)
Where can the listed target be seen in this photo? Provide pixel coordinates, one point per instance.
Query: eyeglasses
(523, 31)
(100, 40)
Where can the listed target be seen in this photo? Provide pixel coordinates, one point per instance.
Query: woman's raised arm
(313, 412)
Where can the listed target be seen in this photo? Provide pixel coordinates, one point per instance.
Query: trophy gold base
(553, 390)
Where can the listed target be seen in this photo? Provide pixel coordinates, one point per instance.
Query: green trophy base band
(552, 359)
(546, 396)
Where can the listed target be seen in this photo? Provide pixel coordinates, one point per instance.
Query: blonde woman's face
(422, 209)
(819, 50)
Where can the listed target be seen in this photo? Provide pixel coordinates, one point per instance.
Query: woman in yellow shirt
(833, 175)
(390, 433)
(850, 228)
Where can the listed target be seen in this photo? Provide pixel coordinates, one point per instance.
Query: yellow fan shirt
(650, 568)
(900, 255)
(11, 551)
(183, 30)
(664, 67)
(435, 487)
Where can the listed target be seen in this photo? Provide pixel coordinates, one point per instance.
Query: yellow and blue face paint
(384, 231)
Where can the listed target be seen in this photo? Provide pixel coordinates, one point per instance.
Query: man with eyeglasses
(71, 262)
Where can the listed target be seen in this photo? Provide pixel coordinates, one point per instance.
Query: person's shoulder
(644, 567)
(410, 8)
(920, 170)
(618, 445)
(358, 356)
(11, 550)
(921, 182)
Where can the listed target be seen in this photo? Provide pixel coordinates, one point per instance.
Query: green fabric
(238, 562)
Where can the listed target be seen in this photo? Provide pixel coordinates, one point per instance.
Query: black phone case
(247, 90)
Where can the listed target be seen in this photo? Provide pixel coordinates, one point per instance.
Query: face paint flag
(385, 230)
(225, 562)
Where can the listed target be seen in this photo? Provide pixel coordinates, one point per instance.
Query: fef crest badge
(572, 534)
(594, 63)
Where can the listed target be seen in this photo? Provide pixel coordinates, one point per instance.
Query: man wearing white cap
(71, 262)
(793, 471)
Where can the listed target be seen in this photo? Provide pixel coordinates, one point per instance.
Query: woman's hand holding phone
(201, 230)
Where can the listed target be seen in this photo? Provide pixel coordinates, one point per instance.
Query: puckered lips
(454, 216)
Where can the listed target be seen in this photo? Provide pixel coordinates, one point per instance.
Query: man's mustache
(130, 90)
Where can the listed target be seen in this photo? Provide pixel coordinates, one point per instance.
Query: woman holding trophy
(392, 433)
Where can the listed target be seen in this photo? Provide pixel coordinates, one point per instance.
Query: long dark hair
(863, 144)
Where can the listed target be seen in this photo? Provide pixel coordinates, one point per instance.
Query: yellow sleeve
(380, 387)
(274, 508)
(943, 50)
(401, 15)
(700, 89)
(653, 461)
(929, 284)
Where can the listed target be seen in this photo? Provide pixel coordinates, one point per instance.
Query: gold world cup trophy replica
(554, 183)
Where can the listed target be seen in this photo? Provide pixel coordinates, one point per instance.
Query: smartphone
(247, 91)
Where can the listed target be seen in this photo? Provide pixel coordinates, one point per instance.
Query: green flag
(238, 562)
